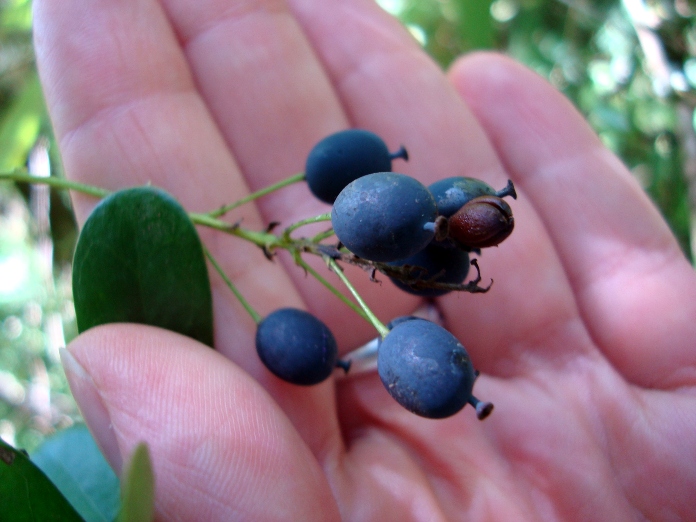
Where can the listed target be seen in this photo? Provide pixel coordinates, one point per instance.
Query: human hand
(585, 342)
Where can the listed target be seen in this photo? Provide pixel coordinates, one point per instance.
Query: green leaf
(20, 125)
(26, 494)
(139, 260)
(73, 462)
(138, 486)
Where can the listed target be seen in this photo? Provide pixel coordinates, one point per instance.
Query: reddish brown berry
(483, 222)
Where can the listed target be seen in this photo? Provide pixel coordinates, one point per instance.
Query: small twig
(379, 326)
(331, 288)
(316, 219)
(253, 313)
(255, 195)
(22, 176)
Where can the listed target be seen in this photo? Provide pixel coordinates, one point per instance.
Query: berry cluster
(421, 238)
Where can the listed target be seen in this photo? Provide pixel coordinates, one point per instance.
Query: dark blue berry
(433, 264)
(384, 216)
(343, 157)
(401, 319)
(451, 194)
(296, 346)
(427, 370)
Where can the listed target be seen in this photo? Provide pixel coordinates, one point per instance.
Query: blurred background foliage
(629, 66)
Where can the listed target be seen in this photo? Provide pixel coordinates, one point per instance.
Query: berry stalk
(250, 310)
(23, 176)
(259, 193)
(334, 266)
(331, 288)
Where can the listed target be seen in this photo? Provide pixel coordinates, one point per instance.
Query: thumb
(221, 448)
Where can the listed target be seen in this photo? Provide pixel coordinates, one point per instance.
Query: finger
(386, 82)
(127, 111)
(635, 290)
(123, 103)
(272, 101)
(221, 448)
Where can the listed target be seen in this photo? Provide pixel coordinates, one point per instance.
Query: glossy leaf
(139, 259)
(138, 486)
(72, 460)
(26, 494)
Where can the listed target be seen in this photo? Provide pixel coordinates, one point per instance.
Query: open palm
(586, 341)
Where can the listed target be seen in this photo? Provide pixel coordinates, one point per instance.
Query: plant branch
(331, 288)
(253, 313)
(379, 326)
(316, 219)
(255, 195)
(22, 176)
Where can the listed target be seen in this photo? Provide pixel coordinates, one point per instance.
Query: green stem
(379, 326)
(217, 224)
(253, 313)
(266, 240)
(255, 195)
(316, 219)
(23, 176)
(331, 288)
(262, 239)
(323, 235)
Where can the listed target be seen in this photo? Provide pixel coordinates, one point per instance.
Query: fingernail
(92, 408)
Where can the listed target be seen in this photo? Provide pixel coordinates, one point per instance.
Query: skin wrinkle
(522, 497)
(640, 432)
(418, 453)
(207, 505)
(614, 454)
(232, 13)
(377, 450)
(483, 460)
(106, 74)
(142, 133)
(660, 376)
(255, 454)
(438, 467)
(269, 208)
(127, 121)
(601, 416)
(577, 162)
(521, 356)
(484, 468)
(255, 457)
(392, 36)
(272, 24)
(596, 418)
(426, 168)
(487, 462)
